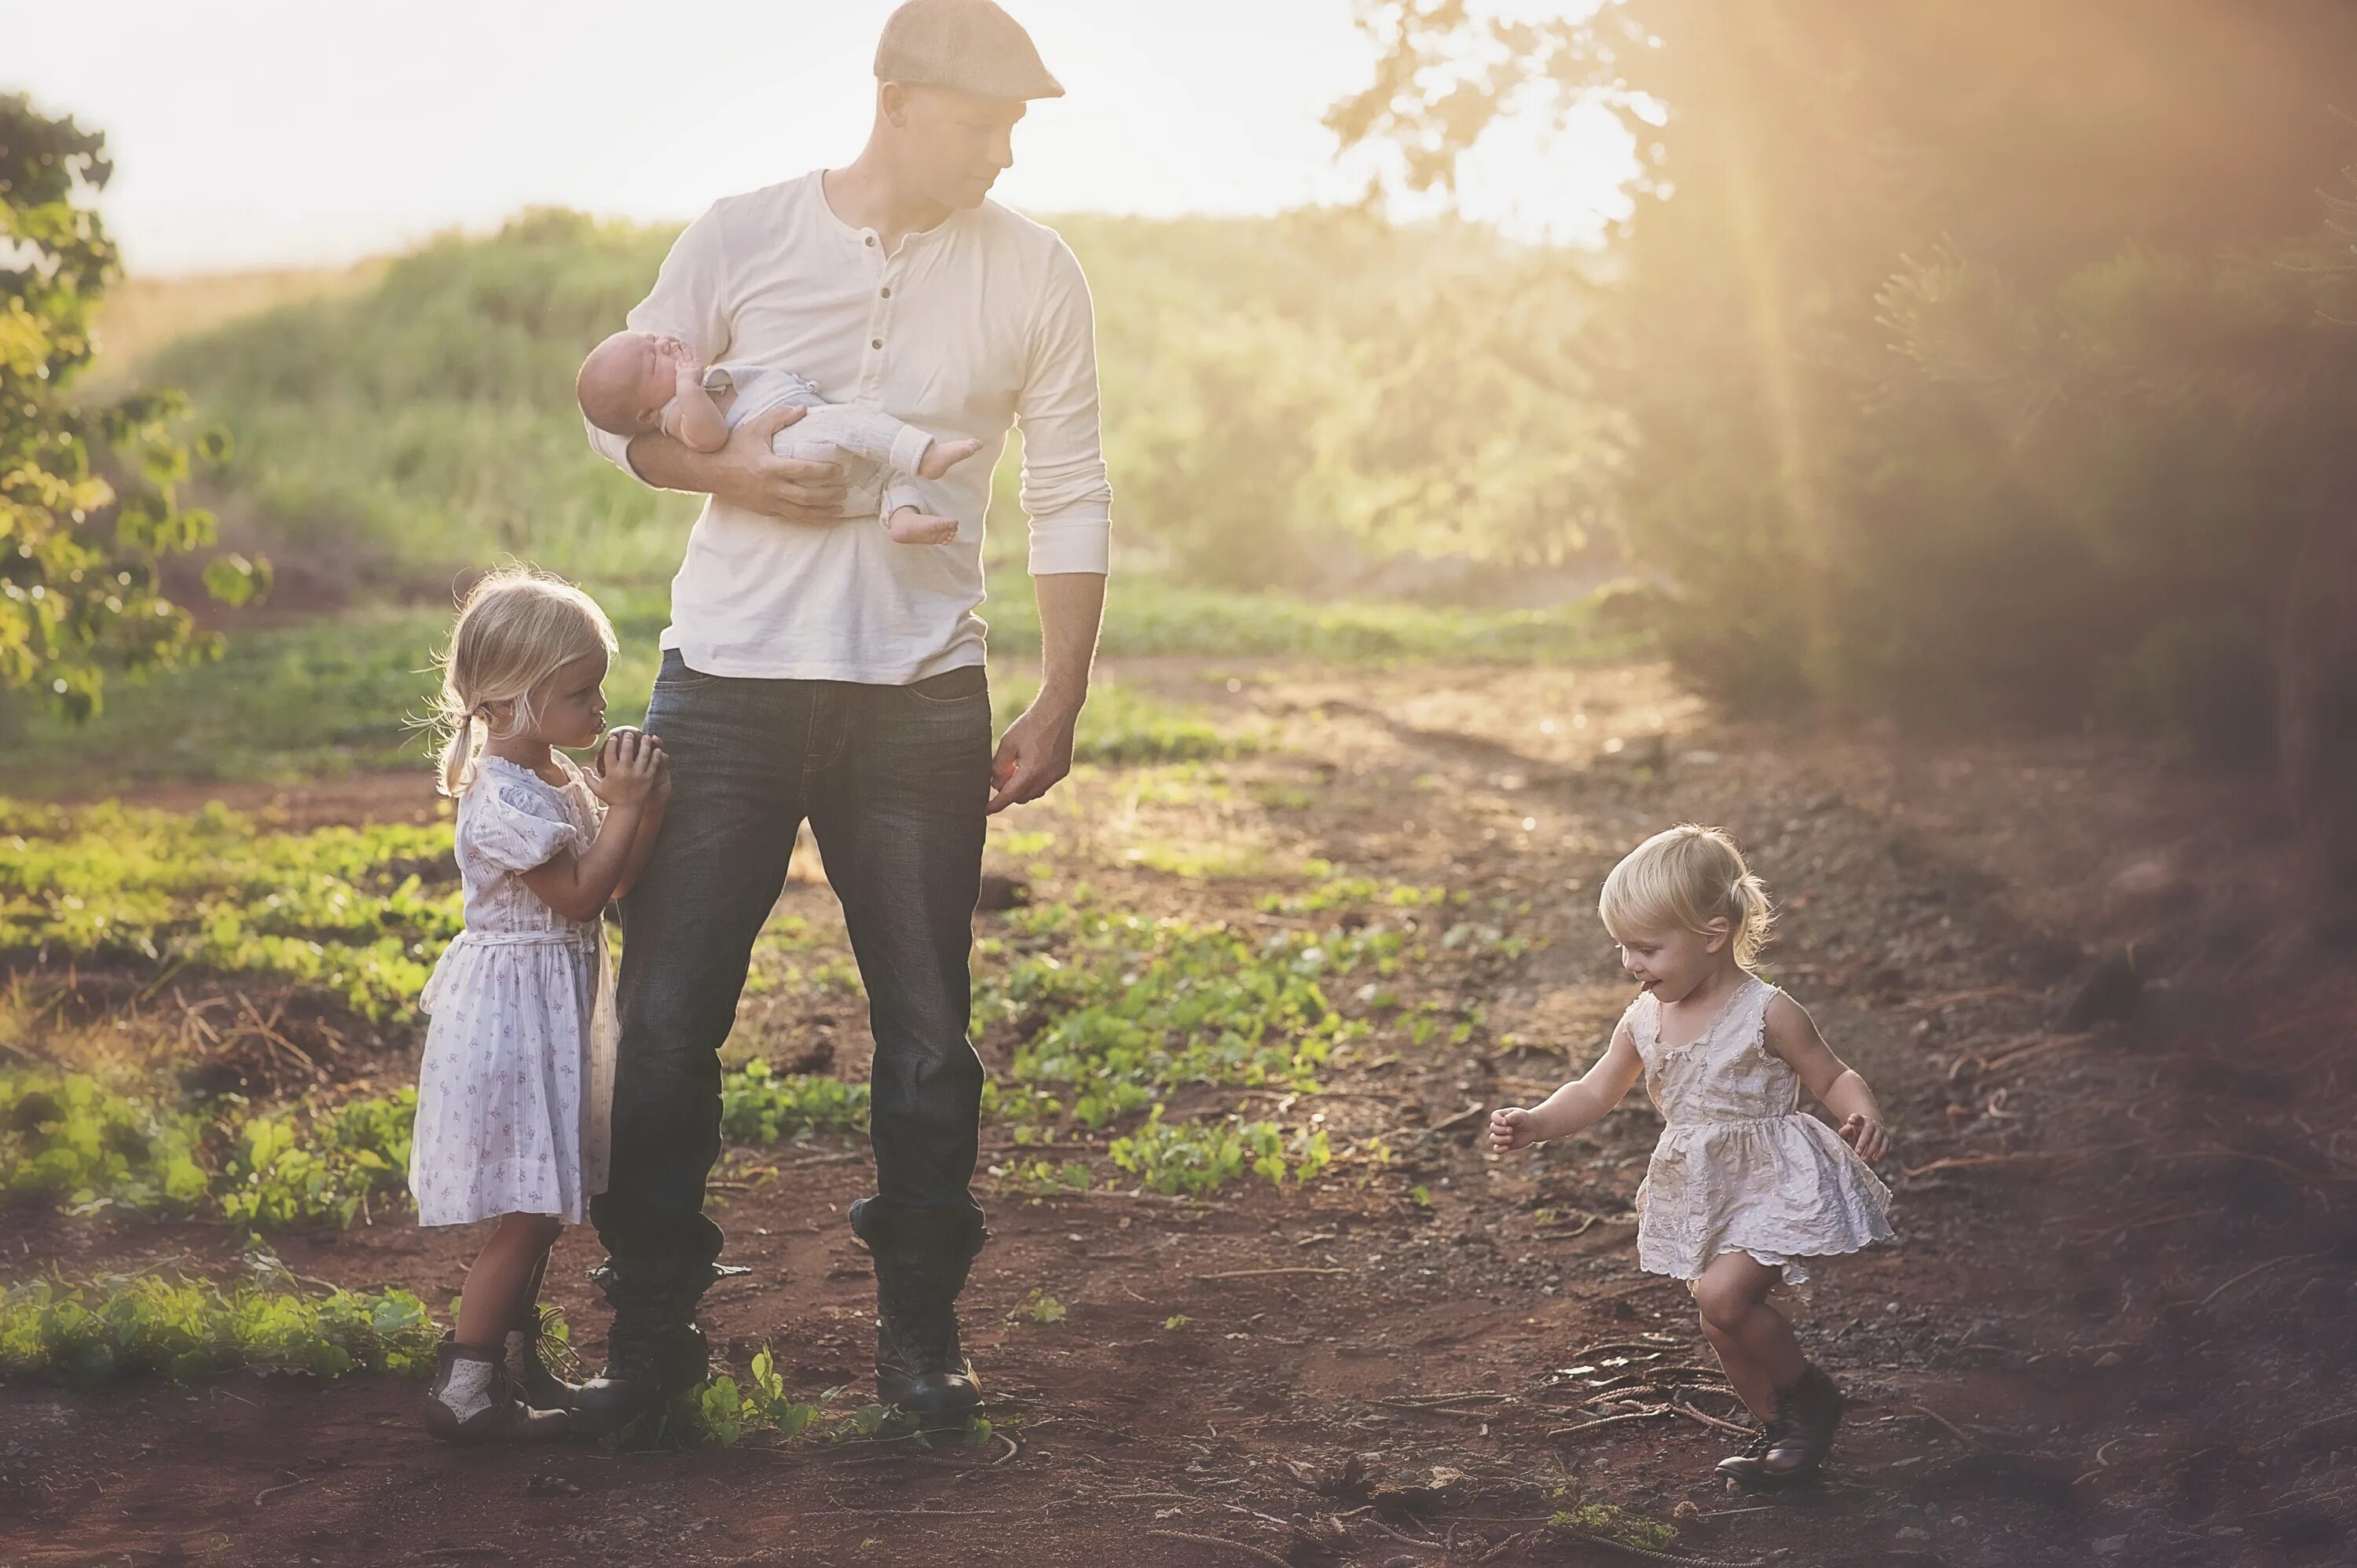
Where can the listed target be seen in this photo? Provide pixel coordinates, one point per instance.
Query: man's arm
(692, 301)
(1036, 753)
(1069, 501)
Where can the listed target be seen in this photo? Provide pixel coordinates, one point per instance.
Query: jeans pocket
(673, 672)
(952, 688)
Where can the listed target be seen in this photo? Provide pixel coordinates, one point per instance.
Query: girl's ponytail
(462, 738)
(1751, 915)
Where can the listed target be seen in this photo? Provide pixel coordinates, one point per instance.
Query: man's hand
(1034, 755)
(747, 473)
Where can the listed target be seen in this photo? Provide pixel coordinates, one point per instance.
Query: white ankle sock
(469, 1392)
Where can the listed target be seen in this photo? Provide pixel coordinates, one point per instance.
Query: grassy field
(341, 694)
(399, 420)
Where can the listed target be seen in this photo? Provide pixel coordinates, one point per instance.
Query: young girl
(514, 1095)
(1744, 1188)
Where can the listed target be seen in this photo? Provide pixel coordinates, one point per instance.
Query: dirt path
(2115, 1329)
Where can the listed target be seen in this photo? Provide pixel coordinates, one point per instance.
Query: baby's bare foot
(944, 455)
(910, 526)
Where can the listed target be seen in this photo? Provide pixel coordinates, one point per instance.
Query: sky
(284, 132)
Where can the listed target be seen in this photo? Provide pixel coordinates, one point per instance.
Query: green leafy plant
(758, 1106)
(1196, 1158)
(69, 1135)
(345, 908)
(194, 1329)
(302, 1167)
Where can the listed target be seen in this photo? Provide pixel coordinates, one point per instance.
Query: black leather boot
(472, 1400)
(655, 1350)
(922, 1257)
(1808, 1409)
(1744, 1469)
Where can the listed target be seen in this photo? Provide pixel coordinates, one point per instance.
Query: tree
(1976, 356)
(89, 496)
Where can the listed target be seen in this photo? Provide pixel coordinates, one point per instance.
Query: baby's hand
(1866, 1135)
(1510, 1128)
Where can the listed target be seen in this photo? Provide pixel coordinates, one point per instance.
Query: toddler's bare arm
(1577, 1104)
(1793, 1035)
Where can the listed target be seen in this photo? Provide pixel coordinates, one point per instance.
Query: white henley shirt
(964, 330)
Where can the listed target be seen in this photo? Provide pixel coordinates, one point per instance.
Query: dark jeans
(894, 780)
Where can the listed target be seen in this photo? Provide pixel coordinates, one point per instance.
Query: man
(814, 669)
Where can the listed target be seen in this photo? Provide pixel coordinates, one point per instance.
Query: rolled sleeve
(693, 300)
(1066, 492)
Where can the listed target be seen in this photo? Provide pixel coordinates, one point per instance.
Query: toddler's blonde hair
(516, 628)
(1688, 876)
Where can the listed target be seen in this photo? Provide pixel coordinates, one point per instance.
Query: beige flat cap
(970, 45)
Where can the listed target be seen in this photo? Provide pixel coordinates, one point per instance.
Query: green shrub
(66, 1136)
(154, 1328)
(299, 1168)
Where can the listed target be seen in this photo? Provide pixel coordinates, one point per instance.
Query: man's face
(953, 145)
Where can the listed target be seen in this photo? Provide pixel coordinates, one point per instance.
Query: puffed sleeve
(513, 828)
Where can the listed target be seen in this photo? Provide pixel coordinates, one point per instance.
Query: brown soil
(2115, 1329)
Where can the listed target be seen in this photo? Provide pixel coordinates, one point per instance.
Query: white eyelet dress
(1739, 1166)
(515, 1093)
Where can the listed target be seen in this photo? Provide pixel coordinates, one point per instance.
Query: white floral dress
(1740, 1167)
(515, 1093)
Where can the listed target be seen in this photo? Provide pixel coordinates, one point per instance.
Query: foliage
(194, 1329)
(758, 1106)
(89, 495)
(294, 1168)
(68, 1135)
(1122, 1009)
(1277, 390)
(1196, 1158)
(341, 907)
(1977, 359)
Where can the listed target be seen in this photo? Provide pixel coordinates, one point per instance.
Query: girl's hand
(1866, 1135)
(630, 765)
(1510, 1128)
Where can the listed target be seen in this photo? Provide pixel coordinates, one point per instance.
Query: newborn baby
(637, 382)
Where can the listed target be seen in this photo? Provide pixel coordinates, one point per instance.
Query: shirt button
(887, 293)
(871, 242)
(875, 342)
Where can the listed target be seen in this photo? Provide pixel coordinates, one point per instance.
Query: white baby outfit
(515, 1093)
(1739, 1166)
(879, 453)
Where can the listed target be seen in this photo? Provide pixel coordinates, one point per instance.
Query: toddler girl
(514, 1095)
(1744, 1188)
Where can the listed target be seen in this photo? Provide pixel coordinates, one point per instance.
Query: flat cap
(970, 45)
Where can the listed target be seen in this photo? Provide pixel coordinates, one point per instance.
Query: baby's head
(527, 657)
(627, 380)
(1681, 903)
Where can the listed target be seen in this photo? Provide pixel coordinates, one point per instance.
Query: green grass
(341, 695)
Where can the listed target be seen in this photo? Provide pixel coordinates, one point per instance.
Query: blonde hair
(1688, 876)
(516, 628)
